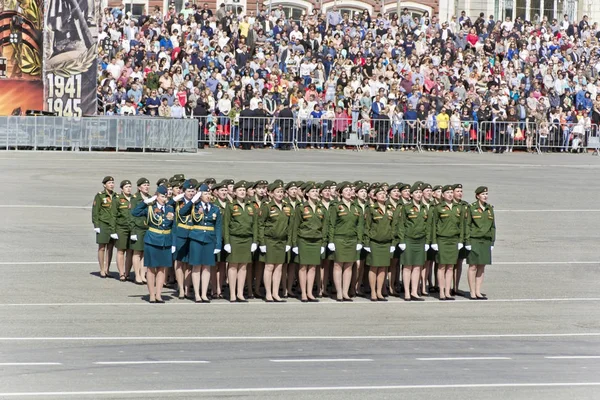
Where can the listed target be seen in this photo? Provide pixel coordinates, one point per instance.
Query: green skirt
(345, 249)
(380, 254)
(481, 252)
(240, 250)
(414, 254)
(448, 250)
(309, 251)
(104, 236)
(138, 245)
(275, 251)
(124, 241)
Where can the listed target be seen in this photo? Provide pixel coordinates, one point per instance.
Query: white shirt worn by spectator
(177, 111)
(114, 70)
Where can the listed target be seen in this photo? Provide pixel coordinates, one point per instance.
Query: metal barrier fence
(111, 133)
(251, 131)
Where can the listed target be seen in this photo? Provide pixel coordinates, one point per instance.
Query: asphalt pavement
(66, 333)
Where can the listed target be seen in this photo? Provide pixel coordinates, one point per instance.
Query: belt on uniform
(182, 226)
(159, 231)
(203, 228)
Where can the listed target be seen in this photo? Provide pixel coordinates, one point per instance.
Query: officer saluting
(139, 226)
(181, 237)
(205, 239)
(102, 220)
(121, 229)
(157, 240)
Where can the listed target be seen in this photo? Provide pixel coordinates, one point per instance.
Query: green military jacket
(378, 224)
(448, 221)
(466, 208)
(241, 219)
(121, 213)
(413, 222)
(138, 224)
(346, 221)
(275, 222)
(481, 222)
(309, 224)
(101, 214)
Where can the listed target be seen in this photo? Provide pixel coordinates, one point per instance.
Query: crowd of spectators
(345, 74)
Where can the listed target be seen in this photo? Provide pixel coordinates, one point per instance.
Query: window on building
(293, 12)
(137, 10)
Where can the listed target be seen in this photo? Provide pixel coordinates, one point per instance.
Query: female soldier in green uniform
(181, 234)
(139, 226)
(221, 198)
(255, 268)
(378, 242)
(361, 202)
(462, 253)
(393, 203)
(481, 235)
(157, 240)
(447, 238)
(345, 233)
(291, 266)
(240, 235)
(426, 278)
(413, 234)
(327, 262)
(101, 218)
(120, 229)
(309, 237)
(274, 236)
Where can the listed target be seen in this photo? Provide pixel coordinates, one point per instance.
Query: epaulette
(99, 192)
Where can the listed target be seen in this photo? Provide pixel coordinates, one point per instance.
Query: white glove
(492, 248)
(435, 247)
(150, 200)
(253, 247)
(179, 197)
(288, 248)
(322, 250)
(331, 246)
(227, 248)
(367, 249)
(173, 249)
(263, 249)
(460, 246)
(97, 230)
(133, 238)
(402, 246)
(358, 247)
(392, 249)
(295, 249)
(426, 247)
(114, 236)
(217, 251)
(196, 197)
(468, 247)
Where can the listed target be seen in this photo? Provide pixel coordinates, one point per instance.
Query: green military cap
(241, 184)
(194, 182)
(128, 182)
(481, 189)
(228, 182)
(416, 186)
(330, 183)
(426, 186)
(437, 187)
(309, 185)
(420, 182)
(290, 185)
(260, 182)
(275, 185)
(404, 186)
(141, 181)
(375, 184)
(384, 184)
(176, 183)
(161, 181)
(457, 186)
(394, 186)
(325, 185)
(379, 189)
(343, 185)
(210, 181)
(108, 179)
(447, 187)
(219, 185)
(179, 177)
(357, 183)
(362, 186)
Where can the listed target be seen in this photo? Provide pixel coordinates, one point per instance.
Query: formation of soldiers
(291, 239)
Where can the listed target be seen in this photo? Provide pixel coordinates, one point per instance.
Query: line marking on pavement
(42, 206)
(571, 357)
(296, 303)
(495, 263)
(295, 338)
(148, 362)
(462, 358)
(323, 360)
(299, 389)
(15, 364)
